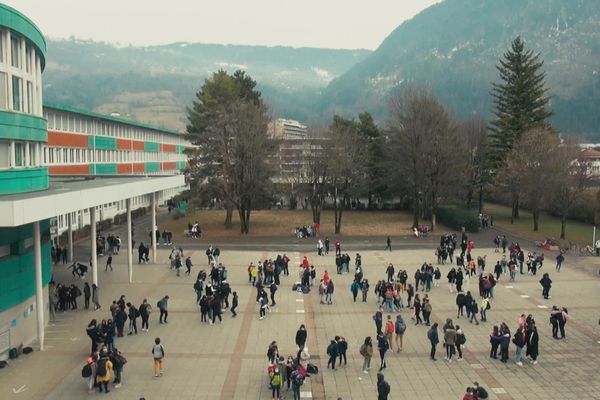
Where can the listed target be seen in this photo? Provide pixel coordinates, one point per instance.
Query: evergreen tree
(520, 104)
(520, 99)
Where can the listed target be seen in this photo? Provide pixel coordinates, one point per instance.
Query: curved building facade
(23, 134)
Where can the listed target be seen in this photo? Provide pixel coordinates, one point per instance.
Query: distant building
(293, 150)
(592, 157)
(287, 129)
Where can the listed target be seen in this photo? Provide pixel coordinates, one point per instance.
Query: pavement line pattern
(233, 372)
(316, 381)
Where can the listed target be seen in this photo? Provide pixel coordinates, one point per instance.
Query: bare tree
(473, 132)
(424, 149)
(570, 178)
(317, 170)
(250, 172)
(346, 152)
(529, 169)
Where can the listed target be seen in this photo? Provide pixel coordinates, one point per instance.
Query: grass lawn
(268, 223)
(549, 226)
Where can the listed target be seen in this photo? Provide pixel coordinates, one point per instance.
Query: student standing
(519, 341)
(332, 352)
(383, 388)
(383, 347)
(234, 304)
(145, 310)
(158, 353)
(434, 339)
(366, 350)
(96, 297)
(400, 328)
(87, 293)
(108, 264)
(163, 306)
(388, 245)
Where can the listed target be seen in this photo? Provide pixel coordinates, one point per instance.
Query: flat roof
(67, 195)
(93, 114)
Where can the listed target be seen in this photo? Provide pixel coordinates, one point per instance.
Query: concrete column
(129, 241)
(39, 292)
(70, 236)
(154, 227)
(93, 254)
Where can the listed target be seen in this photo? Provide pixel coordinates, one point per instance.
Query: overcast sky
(315, 23)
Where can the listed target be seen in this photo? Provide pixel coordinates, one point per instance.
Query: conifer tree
(520, 99)
(520, 103)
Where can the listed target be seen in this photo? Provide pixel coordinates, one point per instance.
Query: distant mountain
(154, 84)
(453, 47)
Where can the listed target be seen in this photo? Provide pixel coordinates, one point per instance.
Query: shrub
(177, 214)
(456, 217)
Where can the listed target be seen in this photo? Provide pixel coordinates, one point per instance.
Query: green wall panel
(102, 142)
(104, 169)
(152, 147)
(180, 148)
(18, 270)
(16, 21)
(23, 126)
(180, 164)
(152, 167)
(23, 180)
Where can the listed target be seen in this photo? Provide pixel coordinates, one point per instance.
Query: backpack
(363, 350)
(389, 295)
(86, 371)
(158, 304)
(121, 359)
(297, 378)
(137, 313)
(400, 328)
(101, 367)
(225, 274)
(461, 339)
(489, 305)
(389, 327)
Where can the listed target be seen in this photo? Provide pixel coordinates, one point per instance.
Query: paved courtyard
(228, 361)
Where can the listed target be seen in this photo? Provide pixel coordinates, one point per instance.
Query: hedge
(456, 217)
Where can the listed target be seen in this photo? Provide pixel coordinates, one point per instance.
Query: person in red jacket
(469, 394)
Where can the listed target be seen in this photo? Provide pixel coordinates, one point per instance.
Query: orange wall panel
(137, 145)
(168, 148)
(168, 165)
(61, 139)
(124, 168)
(69, 170)
(139, 167)
(123, 144)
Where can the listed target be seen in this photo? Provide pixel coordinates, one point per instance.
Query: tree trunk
(536, 219)
(433, 220)
(469, 198)
(480, 199)
(228, 215)
(515, 207)
(244, 213)
(563, 225)
(416, 209)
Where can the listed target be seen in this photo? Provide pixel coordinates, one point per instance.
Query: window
(15, 52)
(4, 154)
(28, 57)
(16, 86)
(5, 250)
(3, 90)
(1, 46)
(19, 148)
(32, 160)
(29, 108)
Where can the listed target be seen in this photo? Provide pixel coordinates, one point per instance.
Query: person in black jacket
(145, 310)
(87, 293)
(383, 346)
(546, 283)
(383, 388)
(332, 352)
(434, 339)
(120, 319)
(133, 314)
(342, 348)
(378, 318)
(234, 304)
(301, 337)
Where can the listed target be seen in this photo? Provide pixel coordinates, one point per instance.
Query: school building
(64, 167)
